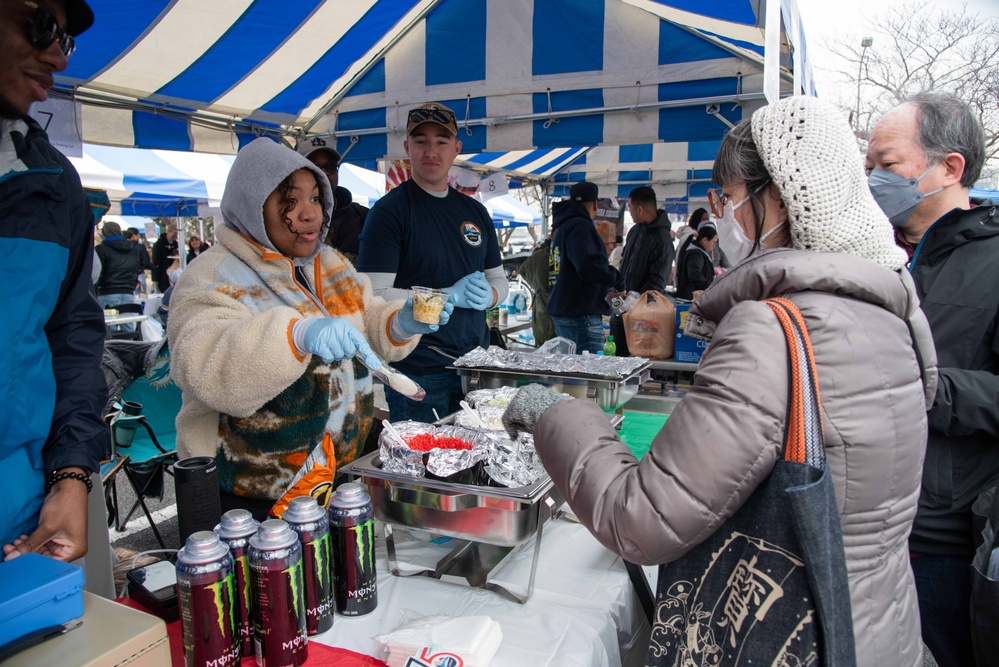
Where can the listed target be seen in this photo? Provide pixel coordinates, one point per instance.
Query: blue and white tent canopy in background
(181, 184)
(507, 211)
(521, 74)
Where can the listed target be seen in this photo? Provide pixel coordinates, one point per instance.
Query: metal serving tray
(493, 515)
(610, 394)
(490, 523)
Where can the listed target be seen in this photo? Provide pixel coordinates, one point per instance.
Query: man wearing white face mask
(923, 157)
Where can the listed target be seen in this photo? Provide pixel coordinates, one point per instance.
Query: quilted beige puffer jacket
(723, 439)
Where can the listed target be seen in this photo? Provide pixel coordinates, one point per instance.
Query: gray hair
(739, 159)
(947, 125)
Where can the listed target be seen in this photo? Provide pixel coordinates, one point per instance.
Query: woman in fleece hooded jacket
(263, 331)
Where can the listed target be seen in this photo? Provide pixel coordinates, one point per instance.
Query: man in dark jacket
(923, 157)
(579, 276)
(119, 266)
(52, 437)
(142, 257)
(348, 217)
(648, 254)
(164, 252)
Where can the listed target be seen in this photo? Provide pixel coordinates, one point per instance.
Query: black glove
(526, 408)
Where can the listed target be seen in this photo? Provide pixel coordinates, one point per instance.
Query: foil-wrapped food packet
(570, 365)
(492, 459)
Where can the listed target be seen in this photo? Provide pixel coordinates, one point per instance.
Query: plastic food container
(428, 304)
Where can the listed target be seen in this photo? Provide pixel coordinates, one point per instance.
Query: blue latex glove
(473, 291)
(335, 339)
(408, 323)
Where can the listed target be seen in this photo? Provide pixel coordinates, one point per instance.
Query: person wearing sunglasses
(348, 216)
(425, 233)
(792, 167)
(52, 436)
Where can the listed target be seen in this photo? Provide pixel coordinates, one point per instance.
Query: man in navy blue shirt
(579, 276)
(425, 233)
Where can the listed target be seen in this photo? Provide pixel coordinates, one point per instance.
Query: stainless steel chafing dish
(610, 394)
(490, 522)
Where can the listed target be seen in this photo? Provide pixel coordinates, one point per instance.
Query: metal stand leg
(141, 501)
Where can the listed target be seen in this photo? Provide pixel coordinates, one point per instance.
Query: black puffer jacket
(956, 271)
(119, 266)
(648, 256)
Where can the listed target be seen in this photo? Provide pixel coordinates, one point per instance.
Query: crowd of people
(275, 331)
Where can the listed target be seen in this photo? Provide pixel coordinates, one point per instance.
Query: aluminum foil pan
(500, 396)
(575, 365)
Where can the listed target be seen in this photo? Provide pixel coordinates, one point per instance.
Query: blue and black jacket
(52, 390)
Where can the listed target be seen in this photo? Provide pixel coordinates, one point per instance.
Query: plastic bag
(622, 304)
(558, 345)
(650, 326)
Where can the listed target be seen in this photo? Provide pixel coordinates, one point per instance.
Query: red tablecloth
(319, 655)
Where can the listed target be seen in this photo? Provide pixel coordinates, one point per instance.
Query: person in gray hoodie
(264, 331)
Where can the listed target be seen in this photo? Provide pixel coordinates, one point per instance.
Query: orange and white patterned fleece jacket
(250, 399)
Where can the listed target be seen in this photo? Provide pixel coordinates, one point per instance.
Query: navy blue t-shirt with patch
(430, 241)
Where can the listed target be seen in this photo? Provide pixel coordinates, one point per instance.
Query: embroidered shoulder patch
(471, 233)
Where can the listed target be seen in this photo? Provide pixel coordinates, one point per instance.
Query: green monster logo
(243, 563)
(216, 589)
(361, 543)
(321, 549)
(295, 576)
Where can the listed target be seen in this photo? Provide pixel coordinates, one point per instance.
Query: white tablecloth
(583, 611)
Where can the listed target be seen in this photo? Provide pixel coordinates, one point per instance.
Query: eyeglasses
(417, 116)
(45, 29)
(717, 199)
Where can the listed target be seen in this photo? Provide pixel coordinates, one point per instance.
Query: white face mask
(732, 240)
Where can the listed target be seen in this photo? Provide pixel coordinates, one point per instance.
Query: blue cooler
(37, 592)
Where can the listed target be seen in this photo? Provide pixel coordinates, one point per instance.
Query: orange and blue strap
(803, 431)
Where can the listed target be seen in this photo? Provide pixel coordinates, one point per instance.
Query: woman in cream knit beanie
(794, 179)
(803, 147)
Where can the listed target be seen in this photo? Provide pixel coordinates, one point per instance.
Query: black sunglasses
(45, 29)
(436, 115)
(330, 167)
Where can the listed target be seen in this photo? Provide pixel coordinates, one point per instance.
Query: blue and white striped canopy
(520, 74)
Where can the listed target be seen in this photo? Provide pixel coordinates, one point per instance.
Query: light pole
(865, 43)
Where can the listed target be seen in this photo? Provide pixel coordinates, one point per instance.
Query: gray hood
(259, 168)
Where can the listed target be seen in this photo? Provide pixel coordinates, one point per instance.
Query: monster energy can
(308, 519)
(236, 529)
(206, 585)
(352, 526)
(278, 596)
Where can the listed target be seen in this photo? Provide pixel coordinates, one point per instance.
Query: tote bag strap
(803, 429)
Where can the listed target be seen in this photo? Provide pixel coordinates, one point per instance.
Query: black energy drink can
(352, 525)
(207, 589)
(278, 596)
(308, 519)
(235, 530)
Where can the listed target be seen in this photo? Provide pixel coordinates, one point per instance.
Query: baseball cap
(584, 191)
(310, 145)
(79, 16)
(431, 112)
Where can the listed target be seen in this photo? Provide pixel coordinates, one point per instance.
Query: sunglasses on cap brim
(435, 115)
(45, 30)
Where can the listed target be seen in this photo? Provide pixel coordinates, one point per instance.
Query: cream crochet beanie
(812, 156)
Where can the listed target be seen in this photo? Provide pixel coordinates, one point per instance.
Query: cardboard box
(686, 349)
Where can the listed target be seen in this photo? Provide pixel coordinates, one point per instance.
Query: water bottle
(610, 347)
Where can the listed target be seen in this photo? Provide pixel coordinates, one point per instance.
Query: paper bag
(648, 327)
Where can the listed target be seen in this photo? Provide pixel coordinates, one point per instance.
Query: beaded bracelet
(57, 477)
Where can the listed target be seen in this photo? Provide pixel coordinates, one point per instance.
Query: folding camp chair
(141, 373)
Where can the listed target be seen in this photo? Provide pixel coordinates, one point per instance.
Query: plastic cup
(428, 304)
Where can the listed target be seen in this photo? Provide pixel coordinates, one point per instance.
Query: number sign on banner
(59, 118)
